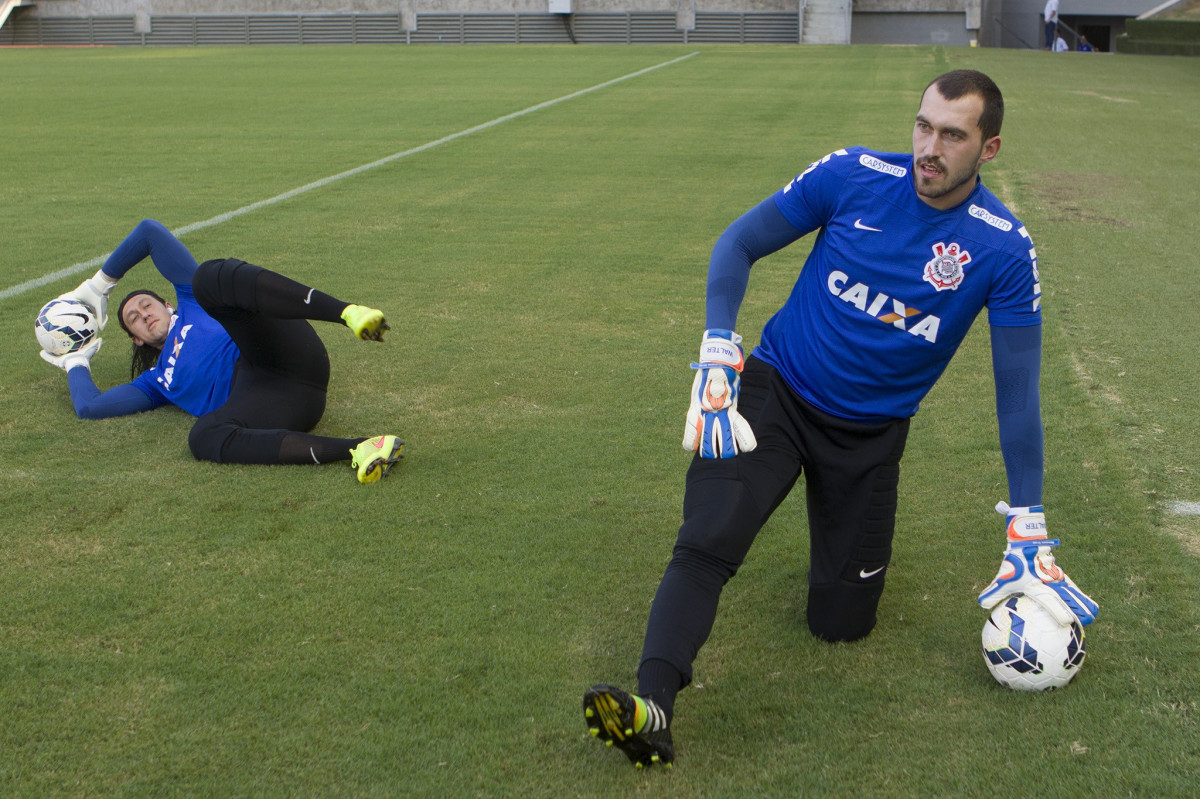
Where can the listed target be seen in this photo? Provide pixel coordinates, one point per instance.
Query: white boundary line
(98, 261)
(1181, 508)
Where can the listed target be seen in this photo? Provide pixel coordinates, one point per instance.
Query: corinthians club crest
(945, 271)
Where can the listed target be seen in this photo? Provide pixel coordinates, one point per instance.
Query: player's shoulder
(989, 220)
(862, 162)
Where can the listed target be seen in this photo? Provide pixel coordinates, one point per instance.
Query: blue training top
(884, 330)
(195, 370)
(892, 285)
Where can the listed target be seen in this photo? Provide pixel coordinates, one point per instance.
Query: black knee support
(843, 611)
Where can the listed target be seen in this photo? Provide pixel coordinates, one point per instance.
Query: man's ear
(991, 149)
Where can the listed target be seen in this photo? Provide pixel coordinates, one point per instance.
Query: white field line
(98, 261)
(1180, 508)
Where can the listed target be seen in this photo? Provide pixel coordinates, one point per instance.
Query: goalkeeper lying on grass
(235, 351)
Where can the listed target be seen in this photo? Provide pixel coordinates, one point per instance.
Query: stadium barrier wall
(373, 28)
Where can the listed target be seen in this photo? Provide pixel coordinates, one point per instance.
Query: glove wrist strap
(1034, 543)
(720, 348)
(1024, 524)
(101, 283)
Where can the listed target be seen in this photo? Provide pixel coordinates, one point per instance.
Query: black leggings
(852, 473)
(281, 377)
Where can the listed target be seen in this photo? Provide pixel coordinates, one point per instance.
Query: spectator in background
(1060, 45)
(1084, 45)
(1050, 13)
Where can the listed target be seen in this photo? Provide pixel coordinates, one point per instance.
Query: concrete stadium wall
(911, 28)
(992, 23)
(105, 8)
(158, 22)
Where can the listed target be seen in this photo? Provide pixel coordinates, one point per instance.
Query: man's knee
(843, 611)
(206, 439)
(224, 283)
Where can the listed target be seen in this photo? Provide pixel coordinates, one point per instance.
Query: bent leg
(264, 320)
(264, 421)
(229, 284)
(725, 504)
(852, 481)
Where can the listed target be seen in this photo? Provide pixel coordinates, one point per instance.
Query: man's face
(148, 320)
(948, 148)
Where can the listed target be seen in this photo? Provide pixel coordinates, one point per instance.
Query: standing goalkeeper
(909, 249)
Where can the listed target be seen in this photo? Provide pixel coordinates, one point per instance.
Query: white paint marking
(1180, 508)
(97, 262)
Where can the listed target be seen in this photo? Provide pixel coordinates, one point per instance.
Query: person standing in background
(1050, 14)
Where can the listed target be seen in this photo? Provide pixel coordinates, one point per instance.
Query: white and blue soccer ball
(1027, 649)
(64, 326)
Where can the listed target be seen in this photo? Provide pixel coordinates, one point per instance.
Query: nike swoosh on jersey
(863, 573)
(858, 223)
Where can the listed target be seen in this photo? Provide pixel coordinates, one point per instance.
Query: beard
(946, 182)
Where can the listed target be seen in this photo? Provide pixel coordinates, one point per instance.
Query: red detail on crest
(945, 271)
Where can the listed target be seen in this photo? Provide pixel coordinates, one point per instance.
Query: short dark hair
(962, 82)
(144, 356)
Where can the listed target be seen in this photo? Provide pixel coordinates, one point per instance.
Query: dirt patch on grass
(1066, 197)
(1186, 530)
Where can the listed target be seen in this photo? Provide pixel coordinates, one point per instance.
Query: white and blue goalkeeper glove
(1028, 568)
(714, 427)
(93, 293)
(81, 357)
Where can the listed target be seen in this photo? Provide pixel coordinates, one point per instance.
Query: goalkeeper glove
(1028, 568)
(93, 293)
(714, 427)
(81, 357)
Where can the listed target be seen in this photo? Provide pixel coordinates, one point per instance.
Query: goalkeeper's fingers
(1082, 605)
(70, 360)
(693, 429)
(1035, 589)
(1051, 600)
(743, 434)
(716, 436)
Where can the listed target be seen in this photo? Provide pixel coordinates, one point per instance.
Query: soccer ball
(1026, 649)
(64, 326)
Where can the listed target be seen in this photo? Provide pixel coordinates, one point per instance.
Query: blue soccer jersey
(892, 285)
(195, 370)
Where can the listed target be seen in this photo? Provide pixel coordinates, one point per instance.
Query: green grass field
(176, 628)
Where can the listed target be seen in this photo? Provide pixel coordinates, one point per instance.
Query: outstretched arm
(151, 238)
(90, 403)
(1016, 365)
(1028, 566)
(759, 232)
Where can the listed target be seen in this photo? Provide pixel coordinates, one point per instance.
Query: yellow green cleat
(374, 457)
(366, 323)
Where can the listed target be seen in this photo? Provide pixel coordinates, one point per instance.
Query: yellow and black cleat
(609, 714)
